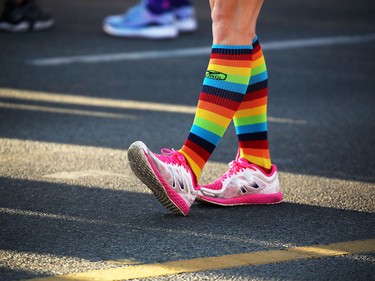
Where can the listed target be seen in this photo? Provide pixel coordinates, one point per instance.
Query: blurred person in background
(153, 19)
(24, 15)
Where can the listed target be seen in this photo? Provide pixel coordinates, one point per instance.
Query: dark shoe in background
(25, 17)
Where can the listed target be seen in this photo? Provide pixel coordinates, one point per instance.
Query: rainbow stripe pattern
(251, 118)
(223, 90)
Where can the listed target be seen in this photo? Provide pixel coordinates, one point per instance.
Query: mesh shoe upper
(243, 183)
(172, 167)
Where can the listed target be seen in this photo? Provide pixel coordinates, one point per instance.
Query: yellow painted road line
(51, 109)
(92, 101)
(221, 262)
(104, 102)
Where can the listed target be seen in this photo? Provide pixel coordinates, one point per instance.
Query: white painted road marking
(199, 51)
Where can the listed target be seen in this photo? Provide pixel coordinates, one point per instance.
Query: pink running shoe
(167, 175)
(243, 184)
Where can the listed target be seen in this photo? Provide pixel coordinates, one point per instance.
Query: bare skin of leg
(234, 21)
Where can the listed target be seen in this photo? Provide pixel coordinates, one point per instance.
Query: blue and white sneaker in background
(185, 19)
(138, 21)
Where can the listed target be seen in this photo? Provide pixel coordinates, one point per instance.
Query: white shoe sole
(187, 25)
(157, 32)
(20, 27)
(25, 26)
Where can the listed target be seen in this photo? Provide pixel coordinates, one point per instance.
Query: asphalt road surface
(73, 99)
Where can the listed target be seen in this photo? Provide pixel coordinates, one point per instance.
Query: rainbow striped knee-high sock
(251, 118)
(223, 90)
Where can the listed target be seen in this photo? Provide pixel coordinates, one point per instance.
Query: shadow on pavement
(99, 225)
